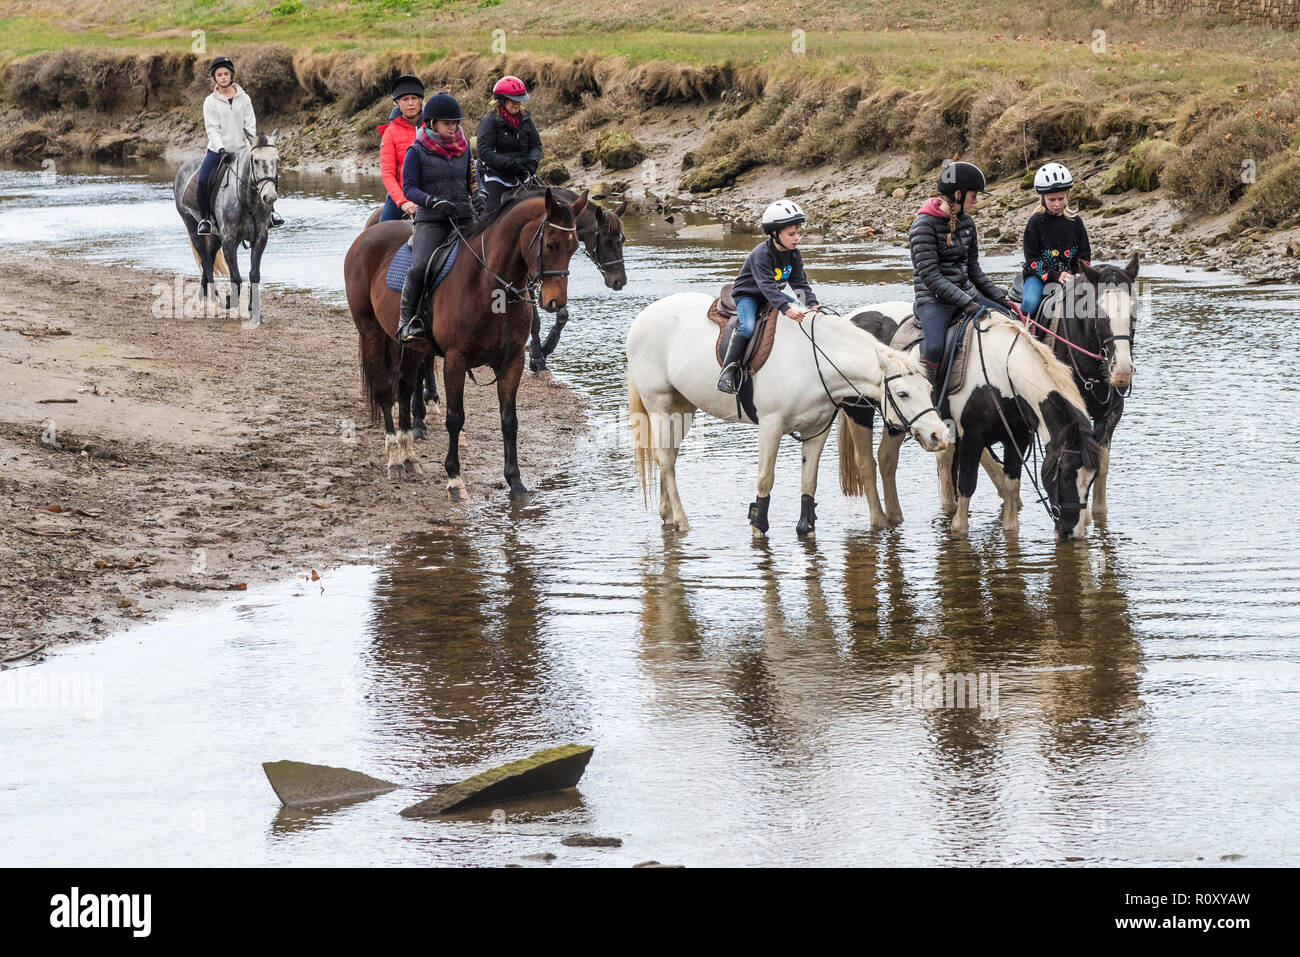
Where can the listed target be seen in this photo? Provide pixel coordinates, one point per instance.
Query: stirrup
(277, 219)
(729, 382)
(410, 330)
(204, 227)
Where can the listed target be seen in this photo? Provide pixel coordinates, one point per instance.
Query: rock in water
(551, 770)
(591, 840)
(303, 785)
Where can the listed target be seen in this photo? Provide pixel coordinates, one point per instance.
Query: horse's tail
(219, 267)
(851, 481)
(374, 406)
(642, 449)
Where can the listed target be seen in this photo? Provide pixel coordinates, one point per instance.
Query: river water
(1133, 697)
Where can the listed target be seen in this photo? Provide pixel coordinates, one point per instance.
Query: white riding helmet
(781, 214)
(1052, 178)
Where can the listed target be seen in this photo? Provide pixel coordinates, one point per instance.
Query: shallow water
(748, 703)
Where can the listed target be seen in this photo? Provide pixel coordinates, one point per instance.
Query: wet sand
(148, 463)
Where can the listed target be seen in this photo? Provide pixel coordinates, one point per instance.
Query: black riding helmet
(407, 85)
(441, 106)
(218, 63)
(961, 176)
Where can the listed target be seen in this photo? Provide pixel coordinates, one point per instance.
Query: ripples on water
(746, 701)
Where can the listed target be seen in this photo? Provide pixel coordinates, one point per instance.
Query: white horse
(1012, 382)
(672, 372)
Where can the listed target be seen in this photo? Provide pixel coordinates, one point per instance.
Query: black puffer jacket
(943, 273)
(500, 148)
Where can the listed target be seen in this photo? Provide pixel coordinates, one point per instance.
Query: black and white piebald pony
(1097, 313)
(1014, 388)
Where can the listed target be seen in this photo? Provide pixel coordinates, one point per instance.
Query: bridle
(252, 186)
(533, 282)
(860, 399)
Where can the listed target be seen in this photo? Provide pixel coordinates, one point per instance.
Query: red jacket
(397, 135)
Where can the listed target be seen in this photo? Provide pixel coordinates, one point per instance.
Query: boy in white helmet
(1056, 242)
(772, 263)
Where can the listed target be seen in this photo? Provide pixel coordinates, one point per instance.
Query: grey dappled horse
(241, 213)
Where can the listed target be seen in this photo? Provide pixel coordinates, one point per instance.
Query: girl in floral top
(1056, 242)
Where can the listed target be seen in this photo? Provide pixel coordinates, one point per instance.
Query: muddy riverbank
(148, 462)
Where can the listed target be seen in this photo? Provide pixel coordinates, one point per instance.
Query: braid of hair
(954, 210)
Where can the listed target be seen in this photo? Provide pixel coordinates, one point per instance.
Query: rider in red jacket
(398, 134)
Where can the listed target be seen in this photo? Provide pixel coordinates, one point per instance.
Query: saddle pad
(908, 336)
(401, 264)
(760, 343)
(190, 195)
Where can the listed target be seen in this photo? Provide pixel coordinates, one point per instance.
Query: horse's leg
(536, 354)
(453, 382)
(666, 442)
(429, 381)
(419, 429)
(553, 337)
(407, 373)
(887, 456)
(945, 464)
(507, 390)
(812, 456)
(968, 464)
(231, 250)
(864, 456)
(769, 442)
(1099, 508)
(207, 248)
(255, 279)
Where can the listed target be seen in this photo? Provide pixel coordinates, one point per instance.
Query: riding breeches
(428, 236)
(747, 313)
(210, 161)
(936, 317)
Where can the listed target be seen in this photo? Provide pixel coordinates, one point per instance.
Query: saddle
(439, 265)
(723, 312)
(1016, 294)
(952, 366)
(190, 197)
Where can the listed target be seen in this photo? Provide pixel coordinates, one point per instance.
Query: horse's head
(548, 248)
(1116, 317)
(601, 233)
(905, 403)
(1070, 464)
(264, 167)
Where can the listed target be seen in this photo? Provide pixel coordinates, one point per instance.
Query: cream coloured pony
(1012, 381)
(672, 372)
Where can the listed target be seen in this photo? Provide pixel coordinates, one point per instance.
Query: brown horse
(482, 313)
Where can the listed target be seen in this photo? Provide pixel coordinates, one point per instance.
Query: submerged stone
(591, 840)
(551, 770)
(303, 785)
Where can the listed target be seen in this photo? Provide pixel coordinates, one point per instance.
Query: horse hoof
(412, 467)
(960, 531)
(805, 533)
(519, 494)
(250, 323)
(419, 432)
(396, 472)
(896, 518)
(759, 535)
(458, 494)
(463, 441)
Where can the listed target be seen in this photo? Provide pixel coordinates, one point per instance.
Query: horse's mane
(503, 210)
(1054, 376)
(884, 351)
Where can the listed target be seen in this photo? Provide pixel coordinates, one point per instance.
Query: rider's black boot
(410, 327)
(729, 381)
(276, 219)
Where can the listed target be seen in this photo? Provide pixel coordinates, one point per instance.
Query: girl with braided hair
(945, 260)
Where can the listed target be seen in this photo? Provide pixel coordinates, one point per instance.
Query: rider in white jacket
(231, 125)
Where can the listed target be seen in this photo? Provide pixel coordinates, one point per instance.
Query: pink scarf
(513, 121)
(446, 145)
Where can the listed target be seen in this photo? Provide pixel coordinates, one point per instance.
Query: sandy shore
(148, 463)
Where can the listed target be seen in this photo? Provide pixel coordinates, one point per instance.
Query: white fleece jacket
(226, 121)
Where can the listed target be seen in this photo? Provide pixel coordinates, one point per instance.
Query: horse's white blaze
(1118, 305)
(673, 372)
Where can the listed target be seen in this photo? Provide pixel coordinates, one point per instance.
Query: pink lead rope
(1031, 322)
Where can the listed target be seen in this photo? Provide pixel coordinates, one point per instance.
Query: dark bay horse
(600, 231)
(482, 313)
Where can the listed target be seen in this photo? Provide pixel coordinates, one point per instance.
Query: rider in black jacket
(945, 259)
(508, 146)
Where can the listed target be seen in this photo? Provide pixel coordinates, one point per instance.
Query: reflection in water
(748, 703)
